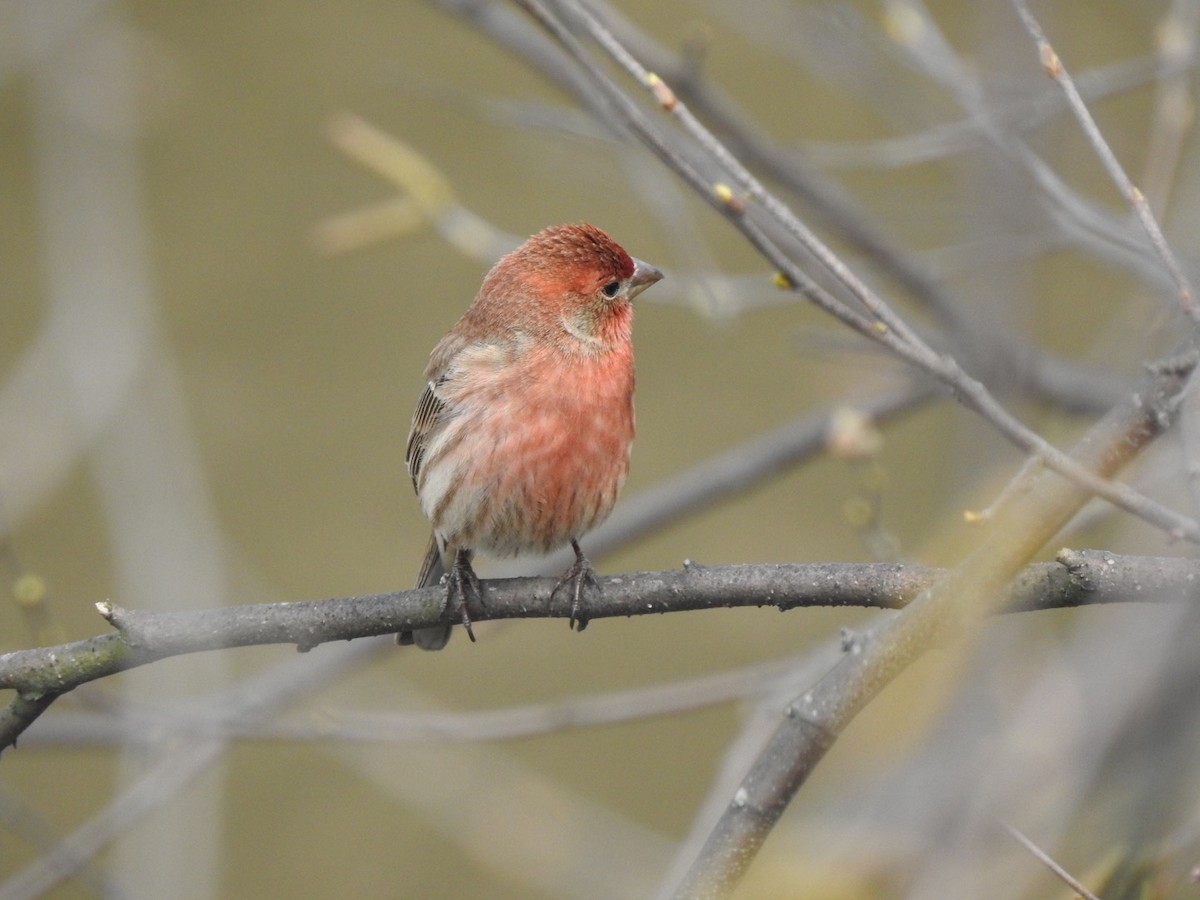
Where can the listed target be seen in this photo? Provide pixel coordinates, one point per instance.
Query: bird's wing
(455, 365)
(429, 412)
(431, 407)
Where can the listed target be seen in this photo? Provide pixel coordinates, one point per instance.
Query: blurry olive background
(289, 378)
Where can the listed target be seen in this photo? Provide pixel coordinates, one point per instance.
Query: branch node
(119, 618)
(662, 92)
(1077, 566)
(728, 198)
(1050, 61)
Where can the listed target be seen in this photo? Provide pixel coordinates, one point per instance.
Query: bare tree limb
(41, 675)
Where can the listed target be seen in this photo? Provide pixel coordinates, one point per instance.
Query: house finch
(520, 441)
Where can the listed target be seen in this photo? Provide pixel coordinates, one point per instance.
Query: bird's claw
(462, 585)
(582, 578)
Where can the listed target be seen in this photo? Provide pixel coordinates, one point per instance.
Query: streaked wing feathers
(429, 411)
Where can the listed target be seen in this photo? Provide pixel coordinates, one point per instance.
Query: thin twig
(1056, 70)
(472, 726)
(1088, 224)
(1023, 115)
(1042, 856)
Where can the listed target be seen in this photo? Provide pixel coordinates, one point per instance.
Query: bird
(521, 437)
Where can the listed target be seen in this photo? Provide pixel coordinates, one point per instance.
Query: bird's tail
(432, 571)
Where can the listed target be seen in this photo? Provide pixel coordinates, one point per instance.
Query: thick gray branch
(143, 636)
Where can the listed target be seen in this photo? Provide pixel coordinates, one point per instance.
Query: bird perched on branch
(520, 441)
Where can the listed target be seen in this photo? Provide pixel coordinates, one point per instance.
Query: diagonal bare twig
(1056, 70)
(1041, 855)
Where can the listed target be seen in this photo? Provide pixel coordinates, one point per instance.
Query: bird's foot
(581, 578)
(463, 587)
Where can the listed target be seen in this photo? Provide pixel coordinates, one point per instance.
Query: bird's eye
(611, 289)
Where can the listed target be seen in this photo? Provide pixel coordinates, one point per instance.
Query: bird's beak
(644, 275)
